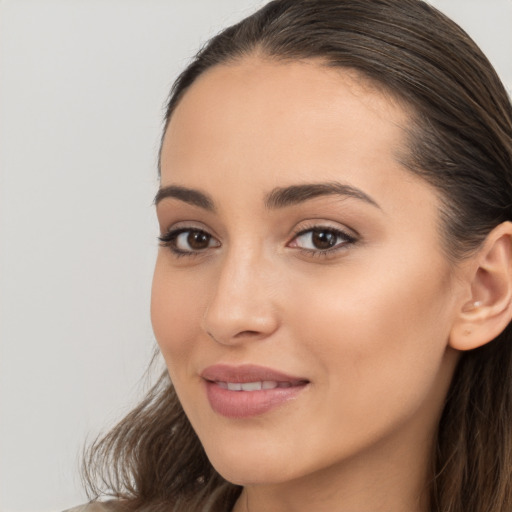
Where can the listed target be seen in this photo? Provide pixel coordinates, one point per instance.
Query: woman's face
(301, 297)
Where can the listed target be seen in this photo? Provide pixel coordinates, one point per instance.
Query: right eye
(188, 241)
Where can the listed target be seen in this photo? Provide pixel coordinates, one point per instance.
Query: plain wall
(82, 89)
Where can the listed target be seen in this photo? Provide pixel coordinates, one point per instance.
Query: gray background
(83, 84)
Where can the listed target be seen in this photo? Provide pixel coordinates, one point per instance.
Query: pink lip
(243, 404)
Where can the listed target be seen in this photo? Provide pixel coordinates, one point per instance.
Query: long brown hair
(460, 141)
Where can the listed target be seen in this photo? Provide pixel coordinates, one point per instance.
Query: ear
(486, 308)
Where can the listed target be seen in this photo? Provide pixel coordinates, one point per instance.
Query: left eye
(321, 239)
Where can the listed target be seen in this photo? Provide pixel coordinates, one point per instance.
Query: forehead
(268, 123)
(257, 103)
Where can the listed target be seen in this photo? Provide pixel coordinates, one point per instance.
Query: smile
(245, 391)
(253, 386)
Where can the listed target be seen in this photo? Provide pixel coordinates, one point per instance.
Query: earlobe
(488, 310)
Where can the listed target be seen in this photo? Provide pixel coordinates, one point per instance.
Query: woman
(332, 294)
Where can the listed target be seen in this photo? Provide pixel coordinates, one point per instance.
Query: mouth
(248, 390)
(255, 386)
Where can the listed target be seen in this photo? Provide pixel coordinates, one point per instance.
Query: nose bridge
(241, 305)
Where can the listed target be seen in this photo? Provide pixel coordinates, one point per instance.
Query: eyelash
(330, 251)
(170, 238)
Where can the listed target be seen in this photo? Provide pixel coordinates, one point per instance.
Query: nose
(242, 305)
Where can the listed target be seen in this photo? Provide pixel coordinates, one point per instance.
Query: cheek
(177, 308)
(378, 335)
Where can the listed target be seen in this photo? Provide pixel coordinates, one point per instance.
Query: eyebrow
(288, 196)
(278, 198)
(187, 195)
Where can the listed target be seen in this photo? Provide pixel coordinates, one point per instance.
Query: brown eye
(198, 240)
(321, 239)
(188, 241)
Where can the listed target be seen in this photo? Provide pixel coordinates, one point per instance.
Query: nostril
(247, 334)
(241, 334)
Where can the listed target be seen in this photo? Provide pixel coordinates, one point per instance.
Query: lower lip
(244, 404)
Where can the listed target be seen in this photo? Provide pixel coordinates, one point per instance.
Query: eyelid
(321, 223)
(187, 225)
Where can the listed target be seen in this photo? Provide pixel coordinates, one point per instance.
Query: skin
(367, 323)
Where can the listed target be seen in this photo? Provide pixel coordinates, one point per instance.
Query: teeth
(252, 386)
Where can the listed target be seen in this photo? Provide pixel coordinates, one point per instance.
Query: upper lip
(247, 373)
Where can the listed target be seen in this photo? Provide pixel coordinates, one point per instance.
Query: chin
(245, 475)
(252, 466)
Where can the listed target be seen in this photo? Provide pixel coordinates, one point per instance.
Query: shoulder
(96, 506)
